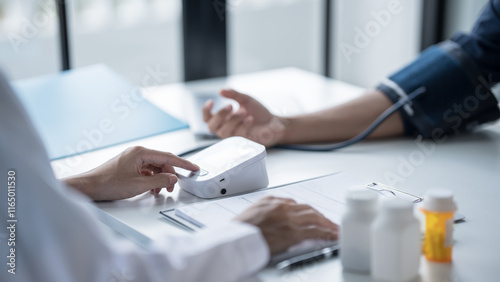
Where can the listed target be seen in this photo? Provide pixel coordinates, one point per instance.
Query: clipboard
(306, 250)
(382, 189)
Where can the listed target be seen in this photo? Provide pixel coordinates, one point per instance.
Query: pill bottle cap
(439, 200)
(361, 198)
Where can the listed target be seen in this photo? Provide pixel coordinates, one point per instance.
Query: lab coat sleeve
(458, 75)
(58, 238)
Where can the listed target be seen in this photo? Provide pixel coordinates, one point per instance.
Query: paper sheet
(326, 194)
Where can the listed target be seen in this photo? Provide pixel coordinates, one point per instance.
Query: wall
(374, 38)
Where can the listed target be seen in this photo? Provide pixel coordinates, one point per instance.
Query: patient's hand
(284, 223)
(252, 120)
(133, 172)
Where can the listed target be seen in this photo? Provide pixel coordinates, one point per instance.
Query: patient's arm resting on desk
(133, 172)
(284, 223)
(337, 123)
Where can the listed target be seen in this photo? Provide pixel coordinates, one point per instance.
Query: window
(374, 38)
(273, 34)
(28, 38)
(369, 39)
(128, 35)
(462, 15)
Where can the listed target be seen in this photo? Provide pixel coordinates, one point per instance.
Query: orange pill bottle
(439, 209)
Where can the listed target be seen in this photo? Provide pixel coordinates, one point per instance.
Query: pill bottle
(355, 230)
(438, 207)
(396, 247)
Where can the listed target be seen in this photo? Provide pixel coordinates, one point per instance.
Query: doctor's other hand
(252, 120)
(135, 171)
(284, 223)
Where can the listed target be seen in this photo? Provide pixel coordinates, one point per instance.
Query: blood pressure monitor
(231, 166)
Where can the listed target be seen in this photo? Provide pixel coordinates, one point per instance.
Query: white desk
(468, 165)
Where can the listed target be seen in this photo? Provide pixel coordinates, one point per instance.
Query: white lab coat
(58, 237)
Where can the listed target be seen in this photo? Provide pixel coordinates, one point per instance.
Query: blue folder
(90, 108)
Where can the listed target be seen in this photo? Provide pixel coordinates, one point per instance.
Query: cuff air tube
(458, 95)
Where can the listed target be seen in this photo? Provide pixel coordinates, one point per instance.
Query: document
(326, 194)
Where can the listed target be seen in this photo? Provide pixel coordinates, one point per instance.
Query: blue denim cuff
(458, 96)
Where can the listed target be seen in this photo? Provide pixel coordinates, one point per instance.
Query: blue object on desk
(90, 108)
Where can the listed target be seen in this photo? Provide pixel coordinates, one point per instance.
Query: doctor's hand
(284, 223)
(133, 172)
(252, 120)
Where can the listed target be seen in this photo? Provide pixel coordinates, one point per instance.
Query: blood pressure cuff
(458, 95)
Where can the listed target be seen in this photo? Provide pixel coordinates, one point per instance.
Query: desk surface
(467, 164)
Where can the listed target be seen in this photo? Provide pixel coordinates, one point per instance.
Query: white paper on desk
(326, 194)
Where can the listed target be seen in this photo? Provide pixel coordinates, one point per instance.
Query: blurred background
(357, 41)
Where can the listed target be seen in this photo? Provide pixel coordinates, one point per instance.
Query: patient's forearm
(343, 122)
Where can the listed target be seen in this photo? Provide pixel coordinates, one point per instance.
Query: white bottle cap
(439, 200)
(361, 198)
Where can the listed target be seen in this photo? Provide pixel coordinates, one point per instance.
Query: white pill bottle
(355, 230)
(395, 245)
